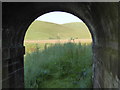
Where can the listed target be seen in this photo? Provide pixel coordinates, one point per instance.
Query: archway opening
(58, 54)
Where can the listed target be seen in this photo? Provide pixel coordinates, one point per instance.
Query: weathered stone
(101, 19)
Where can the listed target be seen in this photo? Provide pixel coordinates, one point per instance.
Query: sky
(59, 17)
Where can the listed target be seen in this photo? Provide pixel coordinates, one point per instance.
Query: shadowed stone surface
(101, 19)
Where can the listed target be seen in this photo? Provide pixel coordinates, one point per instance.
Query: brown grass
(59, 41)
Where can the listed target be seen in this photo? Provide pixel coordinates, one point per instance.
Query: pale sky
(59, 17)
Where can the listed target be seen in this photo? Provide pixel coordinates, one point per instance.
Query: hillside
(40, 30)
(80, 28)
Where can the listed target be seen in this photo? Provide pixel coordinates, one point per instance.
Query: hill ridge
(41, 30)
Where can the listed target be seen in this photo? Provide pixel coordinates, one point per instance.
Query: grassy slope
(79, 28)
(44, 30)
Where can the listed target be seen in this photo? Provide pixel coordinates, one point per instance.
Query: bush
(66, 65)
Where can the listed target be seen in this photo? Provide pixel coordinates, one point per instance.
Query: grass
(40, 30)
(60, 65)
(67, 65)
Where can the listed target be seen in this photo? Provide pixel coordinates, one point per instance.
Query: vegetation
(40, 30)
(58, 65)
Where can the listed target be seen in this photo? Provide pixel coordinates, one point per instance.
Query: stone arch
(101, 19)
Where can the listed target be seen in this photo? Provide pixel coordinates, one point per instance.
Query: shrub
(66, 65)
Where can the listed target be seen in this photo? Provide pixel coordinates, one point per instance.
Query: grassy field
(40, 30)
(67, 65)
(54, 57)
(59, 41)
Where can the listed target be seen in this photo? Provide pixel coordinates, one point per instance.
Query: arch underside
(101, 19)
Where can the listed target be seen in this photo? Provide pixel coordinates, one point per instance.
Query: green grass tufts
(66, 65)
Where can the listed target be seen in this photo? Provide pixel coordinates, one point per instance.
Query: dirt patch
(59, 41)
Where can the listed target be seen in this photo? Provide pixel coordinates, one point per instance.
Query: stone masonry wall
(101, 19)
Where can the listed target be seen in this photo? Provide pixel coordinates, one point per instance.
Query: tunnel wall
(101, 19)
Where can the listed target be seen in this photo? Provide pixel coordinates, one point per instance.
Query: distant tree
(76, 37)
(72, 39)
